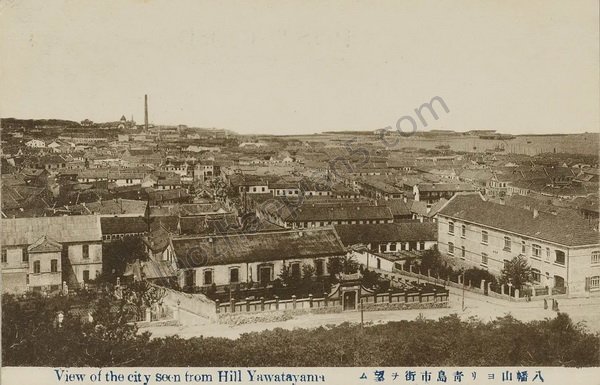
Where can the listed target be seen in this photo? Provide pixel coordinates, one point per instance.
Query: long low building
(390, 237)
(308, 215)
(251, 257)
(562, 250)
(40, 253)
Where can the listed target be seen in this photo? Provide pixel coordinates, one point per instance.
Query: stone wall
(403, 305)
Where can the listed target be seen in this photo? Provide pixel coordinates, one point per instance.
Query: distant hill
(8, 123)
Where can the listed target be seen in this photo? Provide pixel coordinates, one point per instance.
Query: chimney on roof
(536, 213)
(146, 113)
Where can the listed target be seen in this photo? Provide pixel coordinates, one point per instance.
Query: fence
(504, 292)
(370, 301)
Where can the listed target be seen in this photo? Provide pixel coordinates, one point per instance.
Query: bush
(31, 338)
(476, 275)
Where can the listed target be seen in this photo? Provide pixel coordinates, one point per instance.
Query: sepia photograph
(259, 192)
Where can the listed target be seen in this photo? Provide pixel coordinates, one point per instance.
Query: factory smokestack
(146, 112)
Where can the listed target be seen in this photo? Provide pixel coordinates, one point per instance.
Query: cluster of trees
(31, 337)
(516, 271)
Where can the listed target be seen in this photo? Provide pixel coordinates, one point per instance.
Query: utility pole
(463, 291)
(362, 316)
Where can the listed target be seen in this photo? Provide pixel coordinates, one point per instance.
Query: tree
(143, 295)
(308, 272)
(370, 278)
(116, 255)
(346, 265)
(432, 260)
(516, 271)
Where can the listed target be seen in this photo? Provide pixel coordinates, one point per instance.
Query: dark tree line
(31, 337)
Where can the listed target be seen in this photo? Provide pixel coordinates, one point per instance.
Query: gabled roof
(44, 245)
(257, 247)
(559, 229)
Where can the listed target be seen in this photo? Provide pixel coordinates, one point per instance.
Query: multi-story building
(41, 253)
(563, 251)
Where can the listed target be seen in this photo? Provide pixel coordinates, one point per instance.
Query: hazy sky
(304, 66)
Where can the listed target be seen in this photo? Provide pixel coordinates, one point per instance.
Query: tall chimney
(146, 112)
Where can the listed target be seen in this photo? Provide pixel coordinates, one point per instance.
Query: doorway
(349, 300)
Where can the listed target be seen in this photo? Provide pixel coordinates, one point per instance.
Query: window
(523, 248)
(507, 243)
(484, 237)
(422, 245)
(234, 275)
(54, 265)
(463, 253)
(5, 256)
(392, 247)
(379, 263)
(595, 282)
(319, 266)
(536, 251)
(208, 277)
(463, 231)
(36, 267)
(559, 257)
(595, 257)
(536, 275)
(295, 269)
(85, 251)
(86, 275)
(451, 228)
(25, 255)
(484, 259)
(189, 278)
(547, 253)
(450, 248)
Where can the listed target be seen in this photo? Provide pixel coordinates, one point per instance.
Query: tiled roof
(123, 225)
(552, 228)
(115, 206)
(446, 187)
(354, 212)
(25, 231)
(257, 247)
(420, 208)
(387, 232)
(397, 206)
